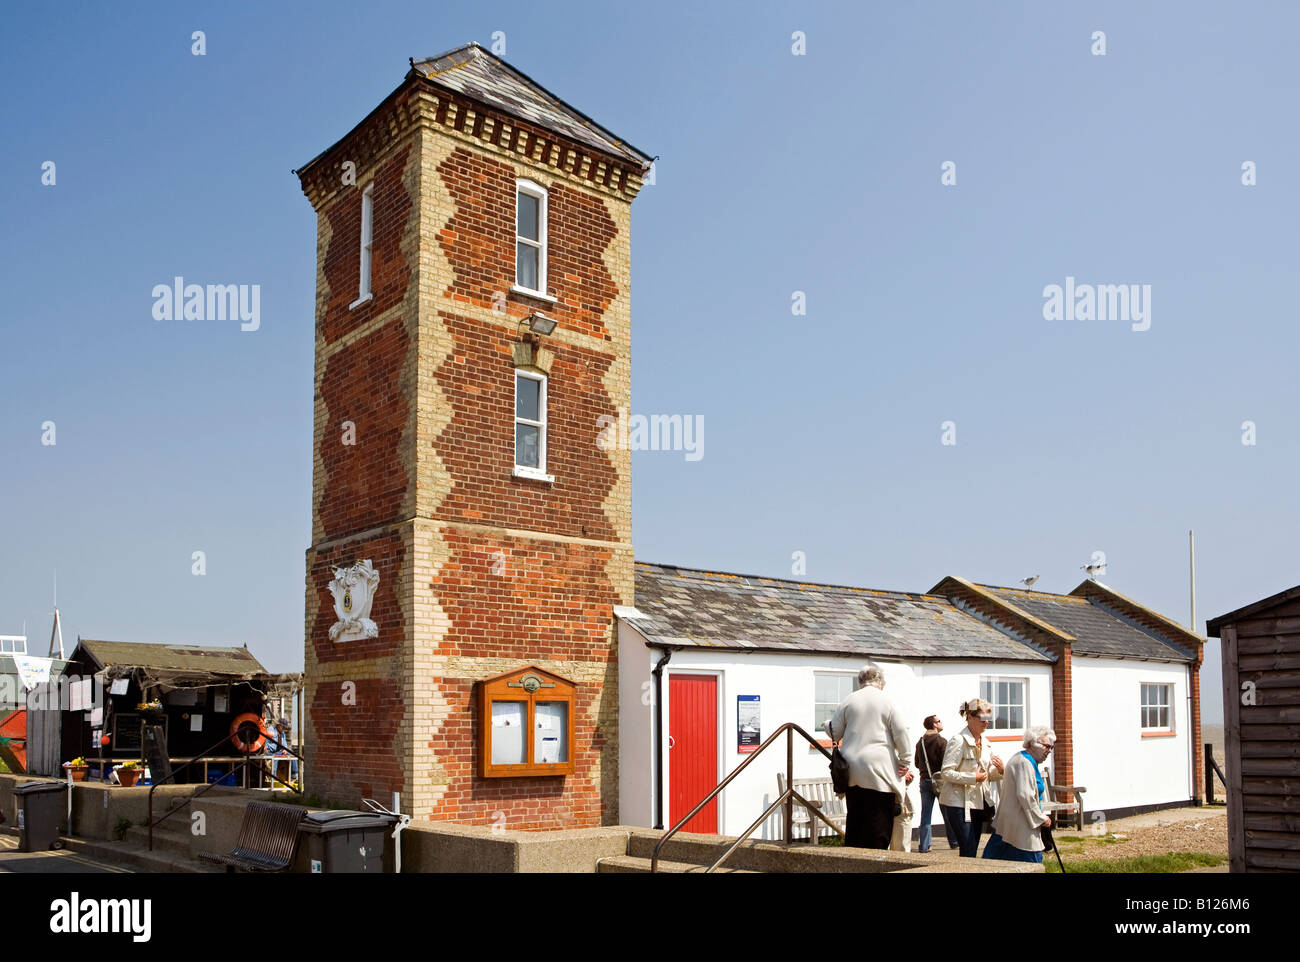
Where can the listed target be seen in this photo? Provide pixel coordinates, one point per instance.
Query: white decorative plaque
(354, 591)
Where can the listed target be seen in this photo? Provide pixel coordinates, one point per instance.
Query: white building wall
(786, 688)
(635, 728)
(1112, 759)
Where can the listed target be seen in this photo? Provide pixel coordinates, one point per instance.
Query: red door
(692, 749)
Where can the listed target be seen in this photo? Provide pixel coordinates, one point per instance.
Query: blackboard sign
(126, 733)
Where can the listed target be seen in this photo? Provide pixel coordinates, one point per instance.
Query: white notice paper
(196, 722)
(97, 716)
(119, 686)
(219, 704)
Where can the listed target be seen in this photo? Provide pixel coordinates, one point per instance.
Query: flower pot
(128, 776)
(153, 717)
(79, 772)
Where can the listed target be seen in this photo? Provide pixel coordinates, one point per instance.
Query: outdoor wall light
(538, 323)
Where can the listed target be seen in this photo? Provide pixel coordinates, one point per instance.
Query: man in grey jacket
(874, 741)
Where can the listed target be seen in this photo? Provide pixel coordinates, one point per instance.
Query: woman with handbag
(969, 766)
(874, 742)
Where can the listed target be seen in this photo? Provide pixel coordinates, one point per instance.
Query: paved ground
(12, 860)
(1192, 829)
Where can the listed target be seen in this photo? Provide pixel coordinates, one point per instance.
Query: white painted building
(794, 649)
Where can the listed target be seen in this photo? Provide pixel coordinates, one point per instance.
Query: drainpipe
(658, 672)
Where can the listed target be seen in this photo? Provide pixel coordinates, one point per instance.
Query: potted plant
(127, 773)
(151, 711)
(78, 767)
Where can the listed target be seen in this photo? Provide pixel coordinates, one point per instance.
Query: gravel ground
(1177, 830)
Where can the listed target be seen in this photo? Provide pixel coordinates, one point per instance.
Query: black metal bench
(268, 838)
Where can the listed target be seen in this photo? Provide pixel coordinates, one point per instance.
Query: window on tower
(367, 218)
(530, 238)
(530, 425)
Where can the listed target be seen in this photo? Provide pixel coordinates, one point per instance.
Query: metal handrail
(786, 798)
(242, 766)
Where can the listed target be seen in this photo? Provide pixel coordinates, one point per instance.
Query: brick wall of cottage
(480, 572)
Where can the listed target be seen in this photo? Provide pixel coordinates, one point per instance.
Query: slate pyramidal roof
(480, 75)
(686, 607)
(483, 76)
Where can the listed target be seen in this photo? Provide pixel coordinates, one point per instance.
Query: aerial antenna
(1191, 559)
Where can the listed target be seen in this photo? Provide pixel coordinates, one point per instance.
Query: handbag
(934, 780)
(839, 767)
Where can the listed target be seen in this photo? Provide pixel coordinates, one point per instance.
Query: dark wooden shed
(1261, 730)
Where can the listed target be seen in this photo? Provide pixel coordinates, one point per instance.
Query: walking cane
(1049, 841)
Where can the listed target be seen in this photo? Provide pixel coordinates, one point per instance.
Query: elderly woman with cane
(1017, 828)
(969, 765)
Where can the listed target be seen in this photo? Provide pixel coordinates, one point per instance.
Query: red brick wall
(479, 241)
(477, 447)
(1063, 719)
(553, 602)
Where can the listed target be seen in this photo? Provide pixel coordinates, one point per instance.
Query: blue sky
(777, 173)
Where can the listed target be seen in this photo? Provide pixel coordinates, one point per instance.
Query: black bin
(346, 841)
(41, 807)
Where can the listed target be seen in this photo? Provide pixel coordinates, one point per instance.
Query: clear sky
(777, 173)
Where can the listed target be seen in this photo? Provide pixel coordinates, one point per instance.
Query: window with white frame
(831, 688)
(530, 424)
(1008, 696)
(367, 245)
(530, 237)
(13, 645)
(1156, 700)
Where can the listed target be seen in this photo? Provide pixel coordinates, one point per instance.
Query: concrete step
(165, 837)
(631, 865)
(138, 857)
(771, 857)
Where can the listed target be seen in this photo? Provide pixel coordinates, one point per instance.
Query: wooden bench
(821, 795)
(268, 838)
(1054, 807)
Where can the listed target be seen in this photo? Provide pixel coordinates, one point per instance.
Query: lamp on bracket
(528, 350)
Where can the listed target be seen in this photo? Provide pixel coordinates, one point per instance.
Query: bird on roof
(1094, 569)
(1029, 582)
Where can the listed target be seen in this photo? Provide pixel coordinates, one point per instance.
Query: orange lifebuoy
(247, 718)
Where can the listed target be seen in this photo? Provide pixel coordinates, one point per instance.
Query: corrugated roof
(485, 77)
(712, 609)
(137, 654)
(1097, 630)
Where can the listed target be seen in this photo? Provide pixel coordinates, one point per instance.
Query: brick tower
(455, 443)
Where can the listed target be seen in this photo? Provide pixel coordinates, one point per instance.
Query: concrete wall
(1112, 759)
(786, 687)
(96, 806)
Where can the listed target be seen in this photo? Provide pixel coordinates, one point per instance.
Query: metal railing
(786, 798)
(248, 733)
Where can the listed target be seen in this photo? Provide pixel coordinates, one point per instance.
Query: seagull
(1029, 582)
(1094, 570)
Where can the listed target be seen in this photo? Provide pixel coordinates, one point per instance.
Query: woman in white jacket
(969, 765)
(1016, 829)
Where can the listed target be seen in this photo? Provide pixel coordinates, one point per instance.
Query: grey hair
(870, 675)
(1039, 735)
